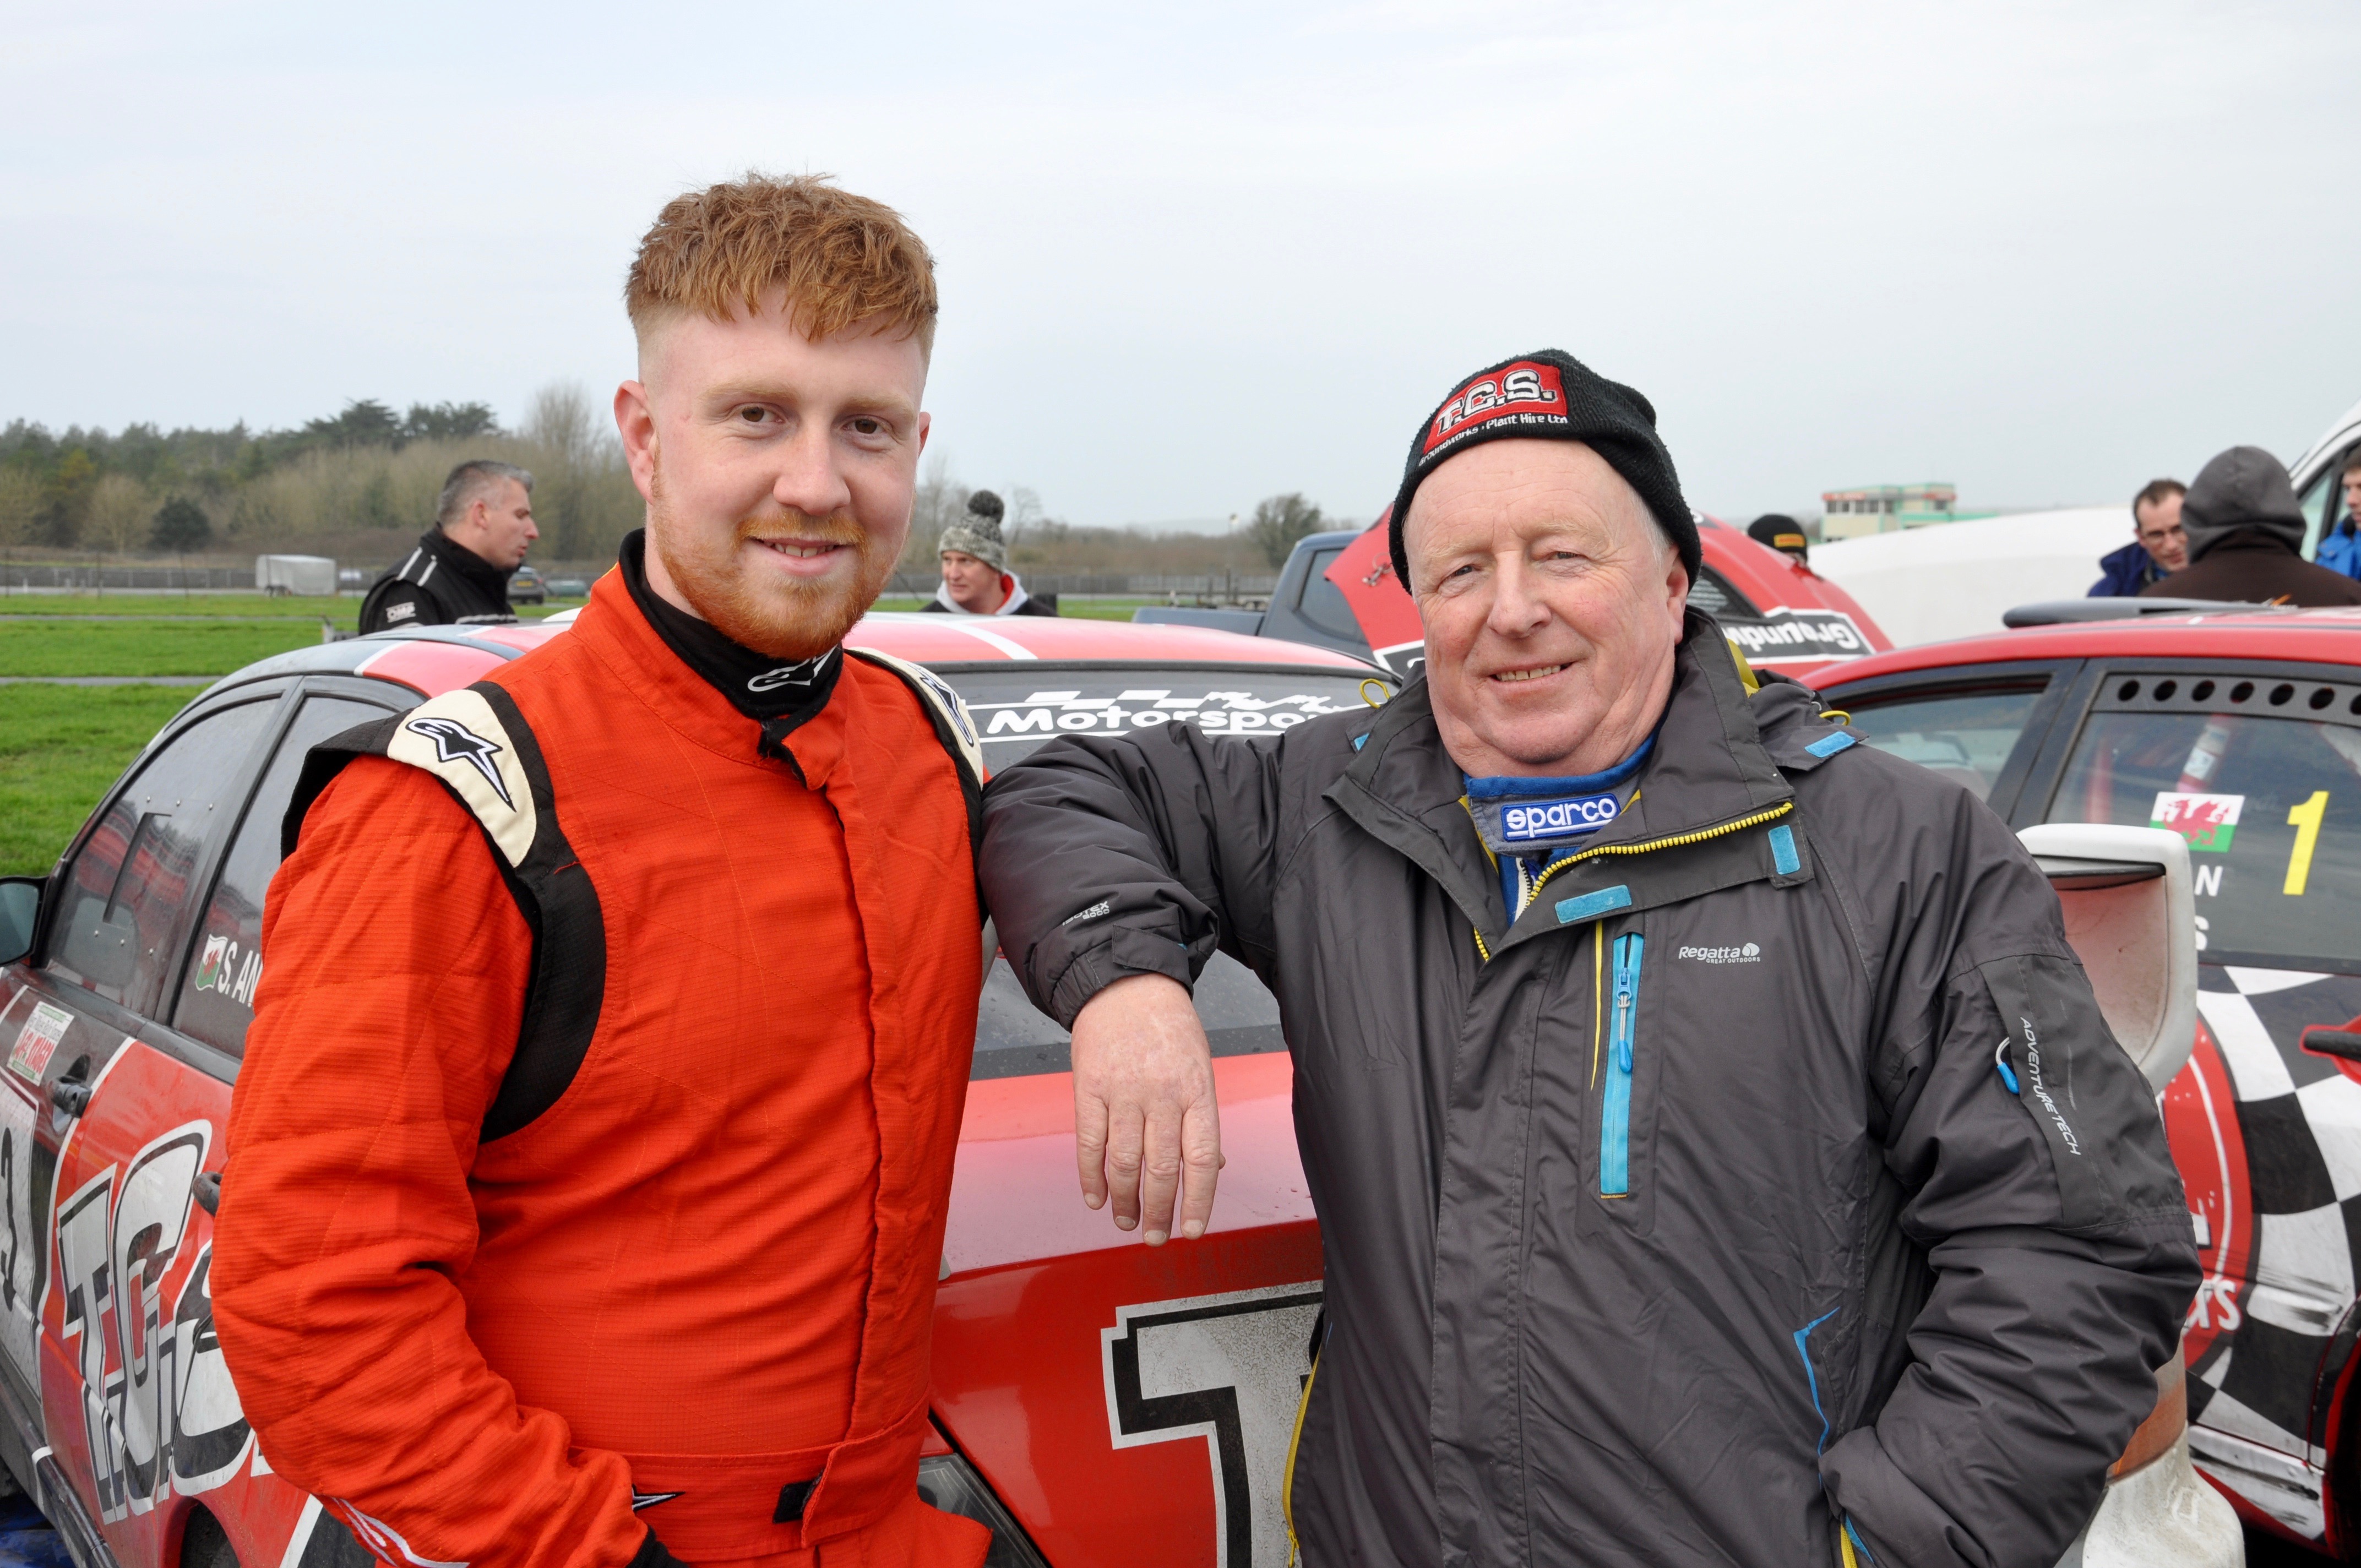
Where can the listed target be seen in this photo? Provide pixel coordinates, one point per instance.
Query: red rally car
(1096, 1401)
(2241, 731)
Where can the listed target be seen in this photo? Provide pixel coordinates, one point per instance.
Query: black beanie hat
(1553, 395)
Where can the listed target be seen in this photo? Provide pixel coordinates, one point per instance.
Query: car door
(2259, 766)
(115, 912)
(140, 1414)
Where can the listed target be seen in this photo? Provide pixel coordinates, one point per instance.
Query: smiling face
(1552, 603)
(779, 471)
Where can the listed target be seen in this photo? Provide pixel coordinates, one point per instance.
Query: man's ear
(635, 421)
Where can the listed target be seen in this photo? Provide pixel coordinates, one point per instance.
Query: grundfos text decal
(1792, 634)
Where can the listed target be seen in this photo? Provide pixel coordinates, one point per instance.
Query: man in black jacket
(1718, 1153)
(483, 526)
(2245, 537)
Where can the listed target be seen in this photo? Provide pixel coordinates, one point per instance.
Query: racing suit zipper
(1615, 1102)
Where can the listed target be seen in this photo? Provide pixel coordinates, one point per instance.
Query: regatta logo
(2033, 1082)
(1550, 818)
(1746, 953)
(1525, 392)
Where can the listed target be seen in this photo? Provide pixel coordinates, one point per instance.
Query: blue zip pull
(2007, 1075)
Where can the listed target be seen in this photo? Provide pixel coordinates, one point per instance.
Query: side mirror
(2131, 915)
(20, 916)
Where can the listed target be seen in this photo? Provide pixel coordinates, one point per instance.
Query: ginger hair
(842, 260)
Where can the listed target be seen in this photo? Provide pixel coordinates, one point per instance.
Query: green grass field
(341, 610)
(59, 748)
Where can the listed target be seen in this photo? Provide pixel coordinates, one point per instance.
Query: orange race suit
(590, 1158)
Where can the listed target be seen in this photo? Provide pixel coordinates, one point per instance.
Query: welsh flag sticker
(2207, 821)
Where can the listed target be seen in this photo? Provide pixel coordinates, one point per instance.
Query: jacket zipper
(1615, 1104)
(1672, 842)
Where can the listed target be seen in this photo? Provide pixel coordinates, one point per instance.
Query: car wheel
(203, 1544)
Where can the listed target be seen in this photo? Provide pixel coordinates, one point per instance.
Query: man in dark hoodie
(2246, 532)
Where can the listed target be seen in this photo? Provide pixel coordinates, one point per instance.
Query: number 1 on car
(2305, 819)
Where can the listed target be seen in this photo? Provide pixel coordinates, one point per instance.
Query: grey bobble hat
(978, 533)
(1553, 395)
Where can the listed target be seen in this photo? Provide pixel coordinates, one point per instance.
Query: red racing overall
(546, 1239)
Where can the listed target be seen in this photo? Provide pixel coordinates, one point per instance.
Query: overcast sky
(1213, 252)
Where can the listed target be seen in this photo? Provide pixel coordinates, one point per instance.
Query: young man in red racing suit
(591, 1153)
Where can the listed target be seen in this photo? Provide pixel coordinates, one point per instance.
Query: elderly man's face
(1553, 606)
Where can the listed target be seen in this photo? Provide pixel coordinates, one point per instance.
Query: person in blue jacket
(2340, 546)
(2158, 547)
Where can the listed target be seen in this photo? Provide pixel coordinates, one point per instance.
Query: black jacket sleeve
(1107, 857)
(398, 605)
(2053, 1227)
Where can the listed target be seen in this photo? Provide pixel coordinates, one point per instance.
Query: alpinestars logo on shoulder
(455, 743)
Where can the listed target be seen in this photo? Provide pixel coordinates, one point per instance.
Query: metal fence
(1223, 586)
(24, 576)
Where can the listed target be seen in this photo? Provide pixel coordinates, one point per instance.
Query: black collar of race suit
(779, 697)
(466, 565)
(1710, 768)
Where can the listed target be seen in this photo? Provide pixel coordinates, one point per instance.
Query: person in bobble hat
(976, 579)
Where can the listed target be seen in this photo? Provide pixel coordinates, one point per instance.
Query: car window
(2271, 805)
(1966, 736)
(127, 885)
(2322, 502)
(1713, 594)
(1018, 707)
(216, 1000)
(1321, 603)
(1014, 1039)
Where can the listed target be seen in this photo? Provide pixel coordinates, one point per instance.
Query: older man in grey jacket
(1718, 1153)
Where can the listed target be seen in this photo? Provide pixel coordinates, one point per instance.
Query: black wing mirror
(20, 916)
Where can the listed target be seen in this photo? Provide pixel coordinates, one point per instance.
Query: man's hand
(1146, 1122)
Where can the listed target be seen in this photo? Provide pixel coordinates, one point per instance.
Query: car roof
(432, 660)
(2290, 636)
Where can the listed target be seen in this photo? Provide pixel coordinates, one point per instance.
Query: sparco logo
(1549, 819)
(2033, 1082)
(1748, 953)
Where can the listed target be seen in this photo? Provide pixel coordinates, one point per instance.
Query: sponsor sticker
(37, 1042)
(1533, 820)
(2207, 821)
(1788, 635)
(1047, 713)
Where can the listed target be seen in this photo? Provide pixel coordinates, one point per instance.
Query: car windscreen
(2271, 805)
(1020, 705)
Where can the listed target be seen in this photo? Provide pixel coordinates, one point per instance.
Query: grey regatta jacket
(1690, 1213)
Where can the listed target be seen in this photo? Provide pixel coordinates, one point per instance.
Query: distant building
(1883, 508)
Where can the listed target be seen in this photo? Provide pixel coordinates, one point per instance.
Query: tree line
(364, 470)
(352, 483)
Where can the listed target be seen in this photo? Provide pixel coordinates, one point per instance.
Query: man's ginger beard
(778, 615)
